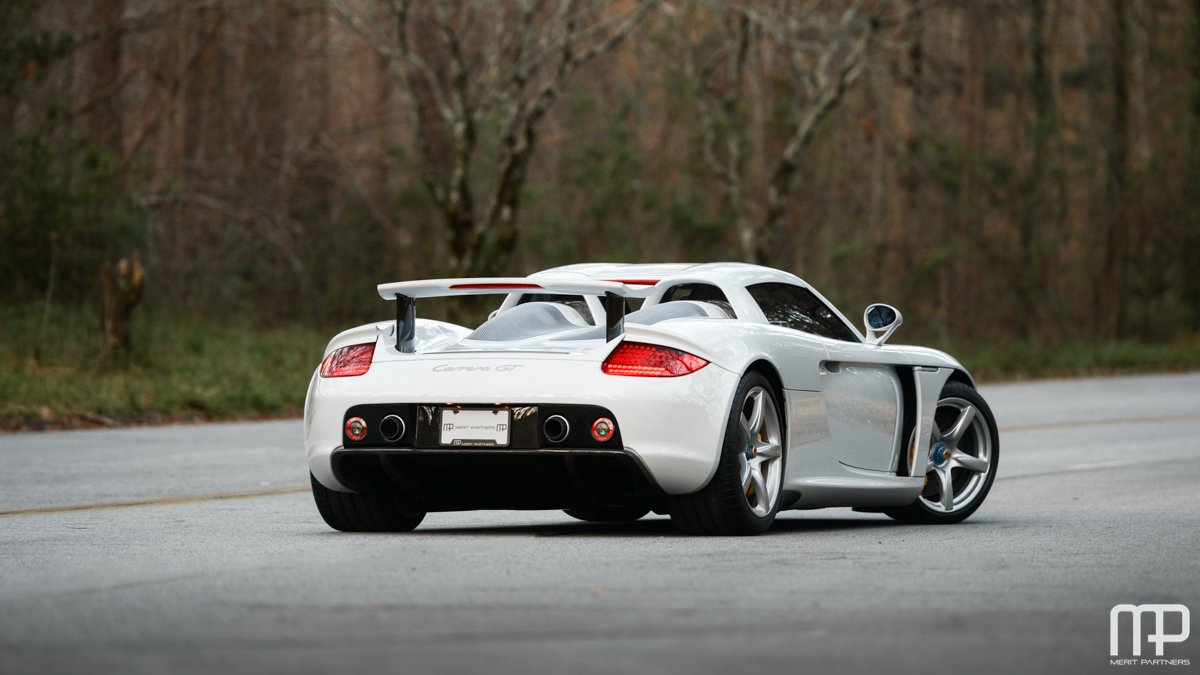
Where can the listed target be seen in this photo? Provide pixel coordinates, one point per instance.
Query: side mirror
(881, 321)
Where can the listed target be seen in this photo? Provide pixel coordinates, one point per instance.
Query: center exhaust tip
(556, 428)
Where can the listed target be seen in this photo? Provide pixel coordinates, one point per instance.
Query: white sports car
(733, 392)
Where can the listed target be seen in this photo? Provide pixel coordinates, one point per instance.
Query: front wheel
(744, 494)
(960, 463)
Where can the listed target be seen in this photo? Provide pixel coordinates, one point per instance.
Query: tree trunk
(1191, 240)
(899, 249)
(122, 286)
(1195, 40)
(106, 74)
(1112, 274)
(958, 291)
(1032, 214)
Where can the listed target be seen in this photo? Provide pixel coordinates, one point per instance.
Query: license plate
(475, 428)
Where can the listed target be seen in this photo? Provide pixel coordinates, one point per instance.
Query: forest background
(196, 194)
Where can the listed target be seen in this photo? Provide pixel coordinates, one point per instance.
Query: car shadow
(652, 527)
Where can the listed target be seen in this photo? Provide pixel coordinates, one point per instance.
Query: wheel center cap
(940, 452)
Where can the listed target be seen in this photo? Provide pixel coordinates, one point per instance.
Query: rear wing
(405, 293)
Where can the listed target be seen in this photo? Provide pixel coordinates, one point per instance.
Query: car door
(862, 399)
(864, 403)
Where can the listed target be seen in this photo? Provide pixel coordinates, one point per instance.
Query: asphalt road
(196, 549)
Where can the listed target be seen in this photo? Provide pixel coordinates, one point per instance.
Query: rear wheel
(744, 494)
(355, 512)
(607, 514)
(960, 463)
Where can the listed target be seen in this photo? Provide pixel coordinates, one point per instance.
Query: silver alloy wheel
(760, 463)
(960, 457)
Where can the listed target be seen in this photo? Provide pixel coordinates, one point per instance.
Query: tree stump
(122, 285)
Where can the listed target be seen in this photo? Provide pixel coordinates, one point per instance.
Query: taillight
(643, 360)
(348, 361)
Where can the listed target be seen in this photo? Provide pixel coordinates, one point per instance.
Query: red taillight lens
(642, 360)
(348, 361)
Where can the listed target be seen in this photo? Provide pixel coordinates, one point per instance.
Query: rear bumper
(670, 428)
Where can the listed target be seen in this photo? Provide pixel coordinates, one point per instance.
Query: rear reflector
(602, 429)
(348, 361)
(638, 359)
(356, 428)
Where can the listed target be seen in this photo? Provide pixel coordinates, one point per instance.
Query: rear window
(702, 293)
(574, 301)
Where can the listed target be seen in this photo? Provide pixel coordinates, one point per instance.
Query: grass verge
(188, 369)
(1032, 360)
(181, 368)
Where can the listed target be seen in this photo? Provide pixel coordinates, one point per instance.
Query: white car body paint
(844, 402)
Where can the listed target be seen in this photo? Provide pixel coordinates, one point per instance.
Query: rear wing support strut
(614, 316)
(406, 322)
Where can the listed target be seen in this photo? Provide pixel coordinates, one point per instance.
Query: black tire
(921, 513)
(607, 514)
(354, 512)
(722, 506)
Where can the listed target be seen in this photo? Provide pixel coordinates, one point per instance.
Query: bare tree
(826, 47)
(820, 47)
(1034, 208)
(1113, 272)
(716, 39)
(469, 67)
